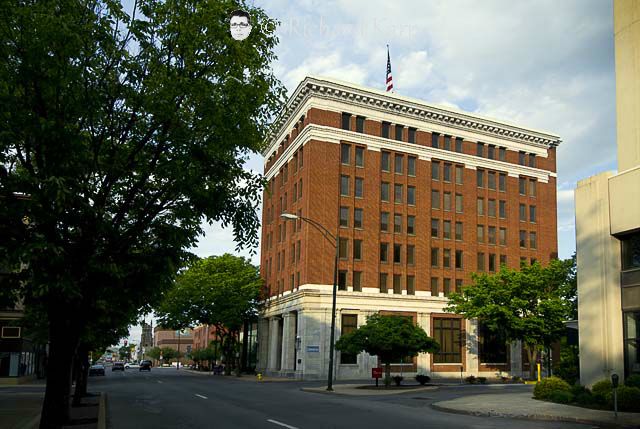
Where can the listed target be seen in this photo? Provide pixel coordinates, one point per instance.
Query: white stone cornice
(402, 107)
(336, 135)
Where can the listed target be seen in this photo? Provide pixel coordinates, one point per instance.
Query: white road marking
(275, 422)
(200, 396)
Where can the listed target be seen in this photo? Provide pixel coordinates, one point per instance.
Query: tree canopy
(391, 338)
(121, 132)
(528, 305)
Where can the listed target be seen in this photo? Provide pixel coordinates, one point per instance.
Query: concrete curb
(352, 390)
(102, 411)
(540, 417)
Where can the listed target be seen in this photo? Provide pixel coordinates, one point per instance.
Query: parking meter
(615, 380)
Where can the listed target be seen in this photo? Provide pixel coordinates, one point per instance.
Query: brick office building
(420, 197)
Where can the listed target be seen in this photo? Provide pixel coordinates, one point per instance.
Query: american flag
(389, 77)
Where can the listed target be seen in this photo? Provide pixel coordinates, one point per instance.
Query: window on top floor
(435, 137)
(385, 161)
(447, 142)
(399, 129)
(386, 126)
(360, 124)
(459, 144)
(346, 121)
(412, 135)
(491, 152)
(522, 158)
(502, 154)
(532, 160)
(480, 149)
(359, 156)
(411, 165)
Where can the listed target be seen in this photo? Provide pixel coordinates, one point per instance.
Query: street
(170, 398)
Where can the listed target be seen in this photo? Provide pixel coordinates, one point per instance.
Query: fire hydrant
(259, 375)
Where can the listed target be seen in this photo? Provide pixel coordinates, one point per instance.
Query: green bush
(633, 381)
(586, 399)
(576, 390)
(423, 379)
(471, 379)
(628, 399)
(548, 385)
(397, 379)
(561, 397)
(601, 389)
(482, 380)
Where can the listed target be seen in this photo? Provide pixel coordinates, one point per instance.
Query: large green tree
(222, 291)
(120, 133)
(528, 305)
(391, 338)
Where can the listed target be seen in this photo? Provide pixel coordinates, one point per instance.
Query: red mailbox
(376, 373)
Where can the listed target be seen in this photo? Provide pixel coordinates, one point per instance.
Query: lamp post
(333, 239)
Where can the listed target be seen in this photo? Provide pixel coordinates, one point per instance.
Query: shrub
(504, 379)
(482, 380)
(586, 399)
(548, 385)
(561, 396)
(517, 379)
(601, 388)
(576, 390)
(397, 379)
(471, 379)
(633, 381)
(423, 379)
(628, 398)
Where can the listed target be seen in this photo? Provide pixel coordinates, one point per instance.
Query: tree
(154, 353)
(391, 338)
(124, 353)
(527, 305)
(121, 132)
(219, 290)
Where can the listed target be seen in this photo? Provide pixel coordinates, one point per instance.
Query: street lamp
(333, 239)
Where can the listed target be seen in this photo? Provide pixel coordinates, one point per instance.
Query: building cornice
(400, 106)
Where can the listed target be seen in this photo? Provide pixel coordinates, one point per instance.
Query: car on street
(130, 365)
(118, 366)
(145, 365)
(97, 369)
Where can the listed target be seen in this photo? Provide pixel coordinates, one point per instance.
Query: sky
(543, 64)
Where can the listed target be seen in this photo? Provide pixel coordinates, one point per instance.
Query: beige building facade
(608, 228)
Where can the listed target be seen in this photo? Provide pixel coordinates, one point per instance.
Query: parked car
(130, 365)
(145, 365)
(97, 369)
(118, 366)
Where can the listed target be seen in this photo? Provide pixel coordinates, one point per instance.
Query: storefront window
(632, 342)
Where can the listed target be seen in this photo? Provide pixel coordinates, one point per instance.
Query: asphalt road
(168, 398)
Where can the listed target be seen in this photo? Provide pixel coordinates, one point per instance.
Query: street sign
(313, 349)
(376, 373)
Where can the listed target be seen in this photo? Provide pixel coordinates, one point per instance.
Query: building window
(343, 248)
(435, 199)
(447, 142)
(491, 208)
(397, 193)
(384, 191)
(533, 242)
(342, 280)
(349, 324)
(397, 223)
(480, 262)
(411, 195)
(491, 154)
(344, 185)
(492, 234)
(459, 144)
(480, 233)
(459, 205)
(503, 236)
(480, 204)
(411, 165)
(502, 182)
(294, 196)
(502, 154)
(435, 170)
(382, 284)
(446, 258)
(492, 346)
(434, 286)
(397, 253)
(446, 287)
(446, 201)
(458, 285)
(503, 260)
(492, 180)
(357, 281)
(630, 245)
(435, 228)
(345, 154)
(532, 188)
(411, 254)
(434, 140)
(359, 156)
(412, 135)
(344, 216)
(399, 129)
(300, 189)
(384, 221)
(360, 124)
(446, 229)
(385, 129)
(459, 174)
(397, 164)
(532, 214)
(384, 252)
(523, 212)
(357, 218)
(385, 161)
(532, 160)
(346, 121)
(411, 225)
(502, 211)
(447, 172)
(411, 285)
(397, 284)
(480, 149)
(459, 231)
(492, 262)
(434, 257)
(448, 333)
(298, 252)
(458, 262)
(522, 186)
(357, 250)
(359, 188)
(522, 158)
(480, 178)
(523, 239)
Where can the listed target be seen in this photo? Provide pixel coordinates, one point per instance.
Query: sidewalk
(243, 377)
(352, 390)
(523, 406)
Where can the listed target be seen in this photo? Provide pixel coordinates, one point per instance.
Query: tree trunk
(63, 342)
(532, 353)
(82, 375)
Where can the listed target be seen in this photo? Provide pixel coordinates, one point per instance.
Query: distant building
(146, 340)
(608, 228)
(21, 359)
(203, 335)
(181, 341)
